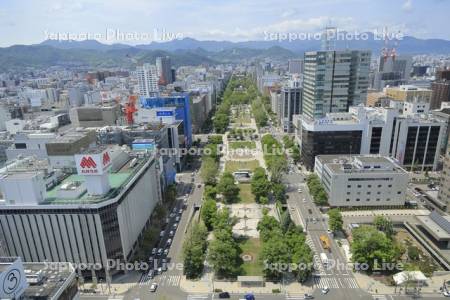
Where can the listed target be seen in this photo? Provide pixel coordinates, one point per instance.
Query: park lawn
(254, 267)
(234, 165)
(243, 119)
(242, 145)
(245, 193)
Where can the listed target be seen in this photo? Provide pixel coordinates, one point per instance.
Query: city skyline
(31, 23)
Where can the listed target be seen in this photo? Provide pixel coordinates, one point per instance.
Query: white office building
(414, 139)
(362, 180)
(148, 80)
(89, 217)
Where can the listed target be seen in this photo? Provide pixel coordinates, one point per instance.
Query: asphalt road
(339, 279)
(168, 281)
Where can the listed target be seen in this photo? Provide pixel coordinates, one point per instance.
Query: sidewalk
(376, 287)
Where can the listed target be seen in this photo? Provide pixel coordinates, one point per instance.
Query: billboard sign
(13, 281)
(92, 164)
(164, 113)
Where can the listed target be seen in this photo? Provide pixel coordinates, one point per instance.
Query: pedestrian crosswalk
(295, 296)
(317, 263)
(379, 297)
(162, 280)
(336, 282)
(197, 296)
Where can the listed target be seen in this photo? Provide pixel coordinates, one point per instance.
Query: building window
(349, 186)
(390, 185)
(357, 199)
(388, 199)
(399, 192)
(348, 193)
(379, 185)
(369, 186)
(359, 186)
(348, 200)
(368, 193)
(378, 199)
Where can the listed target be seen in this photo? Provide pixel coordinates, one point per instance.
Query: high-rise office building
(290, 103)
(334, 81)
(444, 191)
(164, 67)
(440, 93)
(295, 66)
(414, 138)
(148, 80)
(392, 71)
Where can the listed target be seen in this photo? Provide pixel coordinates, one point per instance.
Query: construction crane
(387, 52)
(130, 109)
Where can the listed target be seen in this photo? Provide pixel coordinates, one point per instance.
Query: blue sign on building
(164, 113)
(182, 110)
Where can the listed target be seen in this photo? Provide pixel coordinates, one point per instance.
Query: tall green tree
(208, 170)
(209, 213)
(371, 246)
(228, 188)
(385, 225)
(335, 221)
(260, 184)
(194, 248)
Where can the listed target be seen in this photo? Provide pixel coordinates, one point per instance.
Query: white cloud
(407, 6)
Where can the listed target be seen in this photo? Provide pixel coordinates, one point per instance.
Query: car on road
(310, 211)
(153, 287)
(154, 251)
(308, 296)
(166, 252)
(171, 233)
(224, 295)
(177, 219)
(160, 251)
(446, 293)
(172, 215)
(174, 210)
(150, 274)
(300, 190)
(169, 241)
(175, 225)
(180, 211)
(161, 234)
(159, 271)
(325, 290)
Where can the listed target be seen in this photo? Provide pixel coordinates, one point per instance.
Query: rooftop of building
(117, 181)
(370, 164)
(44, 282)
(407, 87)
(437, 225)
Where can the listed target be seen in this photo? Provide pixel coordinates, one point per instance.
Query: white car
(325, 290)
(304, 200)
(300, 190)
(446, 293)
(153, 287)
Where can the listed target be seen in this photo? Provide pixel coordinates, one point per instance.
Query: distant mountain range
(189, 51)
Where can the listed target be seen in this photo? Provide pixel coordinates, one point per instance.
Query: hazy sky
(32, 21)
